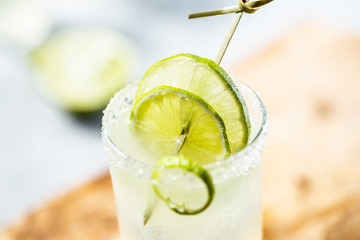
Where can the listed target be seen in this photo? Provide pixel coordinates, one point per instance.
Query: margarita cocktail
(171, 200)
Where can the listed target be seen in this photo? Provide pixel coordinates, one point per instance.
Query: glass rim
(259, 138)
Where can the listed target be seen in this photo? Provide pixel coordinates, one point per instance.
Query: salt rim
(238, 164)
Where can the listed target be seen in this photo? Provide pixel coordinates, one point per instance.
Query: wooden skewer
(243, 6)
(226, 10)
(228, 37)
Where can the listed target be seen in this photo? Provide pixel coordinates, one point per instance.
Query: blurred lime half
(81, 68)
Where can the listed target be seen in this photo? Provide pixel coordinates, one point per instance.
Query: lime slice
(81, 68)
(206, 79)
(186, 164)
(170, 120)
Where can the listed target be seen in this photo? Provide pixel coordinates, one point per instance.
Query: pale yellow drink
(234, 214)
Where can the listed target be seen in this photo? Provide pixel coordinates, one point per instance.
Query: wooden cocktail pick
(243, 6)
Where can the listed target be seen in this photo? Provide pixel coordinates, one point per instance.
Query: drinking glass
(235, 212)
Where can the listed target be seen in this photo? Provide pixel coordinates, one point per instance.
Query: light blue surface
(45, 151)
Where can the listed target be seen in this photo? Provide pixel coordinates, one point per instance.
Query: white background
(45, 151)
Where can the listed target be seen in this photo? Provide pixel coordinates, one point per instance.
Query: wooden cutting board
(310, 82)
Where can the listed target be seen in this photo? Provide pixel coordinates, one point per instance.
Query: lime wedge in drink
(170, 120)
(207, 80)
(166, 188)
(80, 69)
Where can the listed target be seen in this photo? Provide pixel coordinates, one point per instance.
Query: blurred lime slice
(81, 68)
(206, 79)
(170, 121)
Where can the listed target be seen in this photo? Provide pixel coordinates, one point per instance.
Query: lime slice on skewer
(188, 105)
(165, 188)
(169, 120)
(207, 80)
